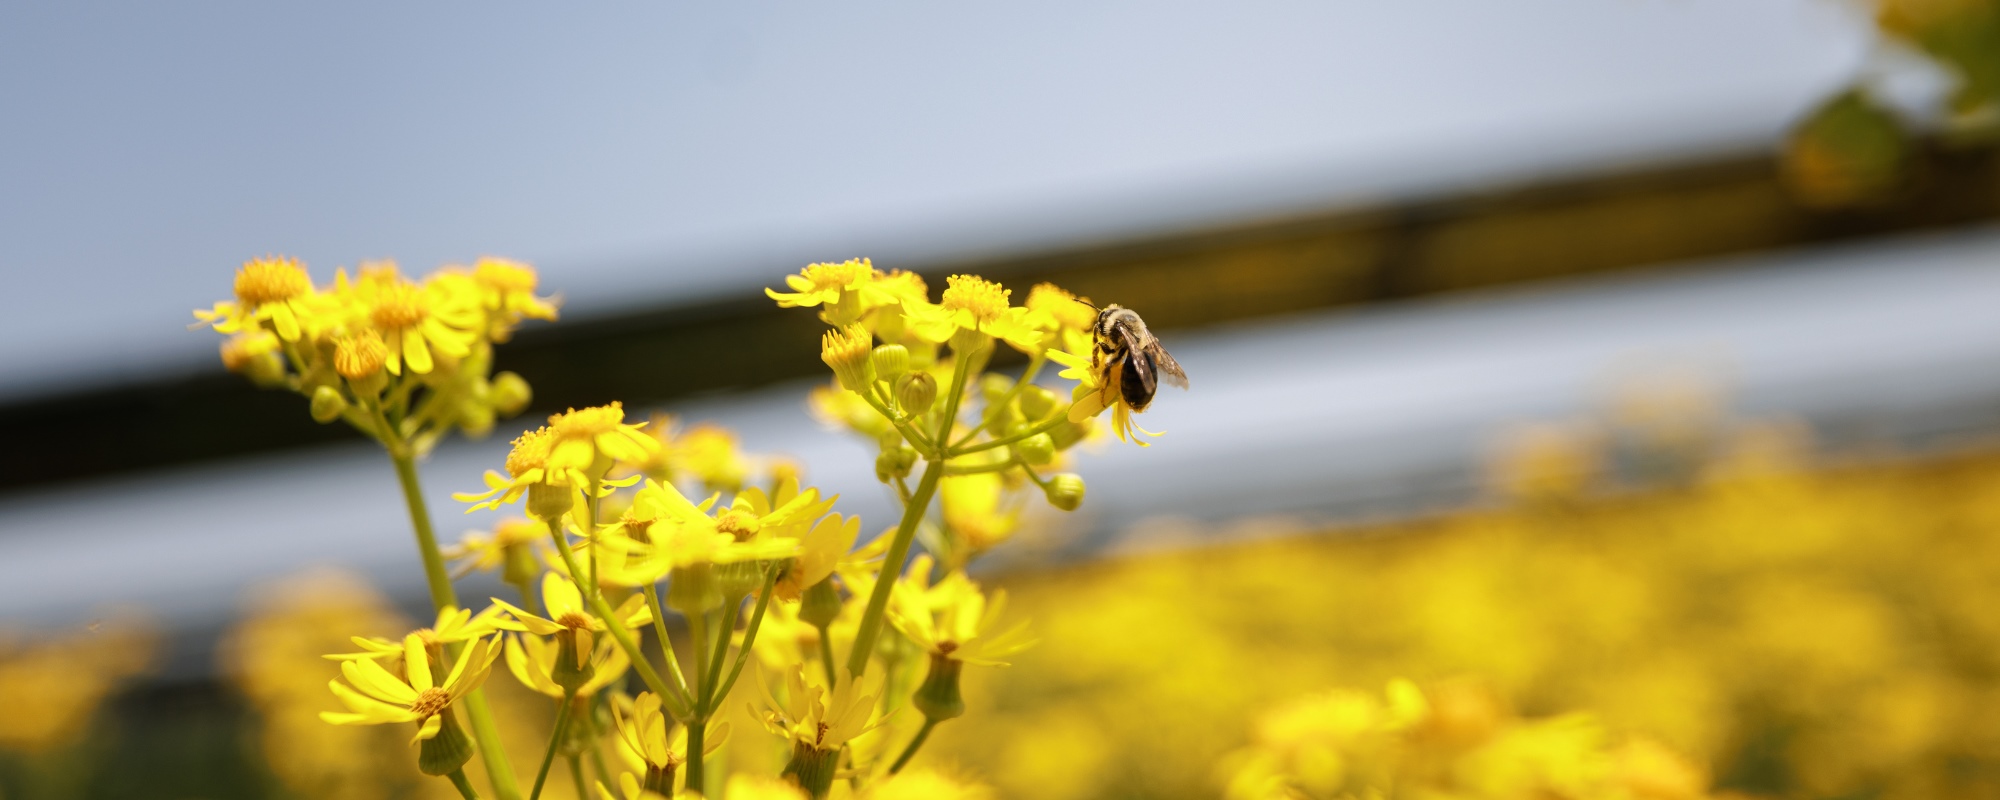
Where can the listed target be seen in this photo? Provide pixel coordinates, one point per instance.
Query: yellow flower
(453, 624)
(1095, 392)
(922, 783)
(847, 291)
(810, 718)
(1072, 319)
(378, 697)
(953, 619)
(971, 508)
(644, 742)
(274, 289)
(681, 533)
(441, 314)
(507, 292)
(360, 355)
(527, 465)
(567, 613)
(240, 353)
(478, 552)
(972, 303)
(532, 659)
(758, 787)
(820, 551)
(849, 352)
(588, 439)
(706, 452)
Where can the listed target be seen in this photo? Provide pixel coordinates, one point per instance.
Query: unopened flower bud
(448, 751)
(327, 404)
(550, 501)
(509, 394)
(847, 351)
(475, 417)
(1065, 491)
(572, 668)
(1068, 434)
(916, 392)
(894, 463)
(1037, 403)
(1038, 449)
(821, 604)
(938, 698)
(891, 361)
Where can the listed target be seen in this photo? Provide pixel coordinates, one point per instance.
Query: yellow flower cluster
(401, 360)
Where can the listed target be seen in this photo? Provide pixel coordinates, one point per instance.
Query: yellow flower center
(270, 280)
(531, 451)
(573, 620)
(507, 276)
(639, 529)
(428, 636)
(1071, 312)
(846, 346)
(838, 276)
(360, 355)
(400, 306)
(984, 298)
(588, 422)
(740, 524)
(946, 648)
(431, 701)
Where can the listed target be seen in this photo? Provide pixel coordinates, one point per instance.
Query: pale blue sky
(640, 153)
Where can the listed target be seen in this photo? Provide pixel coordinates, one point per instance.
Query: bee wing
(1166, 364)
(1137, 357)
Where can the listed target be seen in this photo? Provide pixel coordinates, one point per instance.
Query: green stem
(549, 757)
(457, 777)
(1046, 425)
(725, 624)
(439, 580)
(826, 657)
(977, 469)
(915, 437)
(652, 592)
(590, 503)
(619, 632)
(899, 550)
(922, 734)
(750, 639)
(1030, 470)
(697, 731)
(576, 774)
(698, 633)
(1035, 363)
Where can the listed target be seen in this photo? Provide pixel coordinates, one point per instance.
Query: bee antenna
(1093, 306)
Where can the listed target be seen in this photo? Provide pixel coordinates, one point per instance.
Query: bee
(1130, 352)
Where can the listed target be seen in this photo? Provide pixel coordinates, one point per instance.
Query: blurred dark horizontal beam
(1184, 279)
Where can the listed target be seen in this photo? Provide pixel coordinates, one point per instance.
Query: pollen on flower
(430, 701)
(400, 306)
(269, 280)
(838, 276)
(984, 298)
(739, 524)
(586, 422)
(359, 355)
(574, 620)
(531, 451)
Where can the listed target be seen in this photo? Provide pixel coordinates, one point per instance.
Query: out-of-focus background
(1639, 357)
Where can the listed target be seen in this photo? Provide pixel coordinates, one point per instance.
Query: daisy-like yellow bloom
(651, 745)
(532, 659)
(589, 439)
(360, 355)
(845, 292)
(378, 697)
(682, 533)
(953, 619)
(1095, 392)
(529, 465)
(568, 616)
(254, 354)
(820, 551)
(274, 289)
(507, 292)
(972, 510)
(453, 625)
(510, 548)
(705, 452)
(1067, 317)
(816, 721)
(416, 321)
(974, 304)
